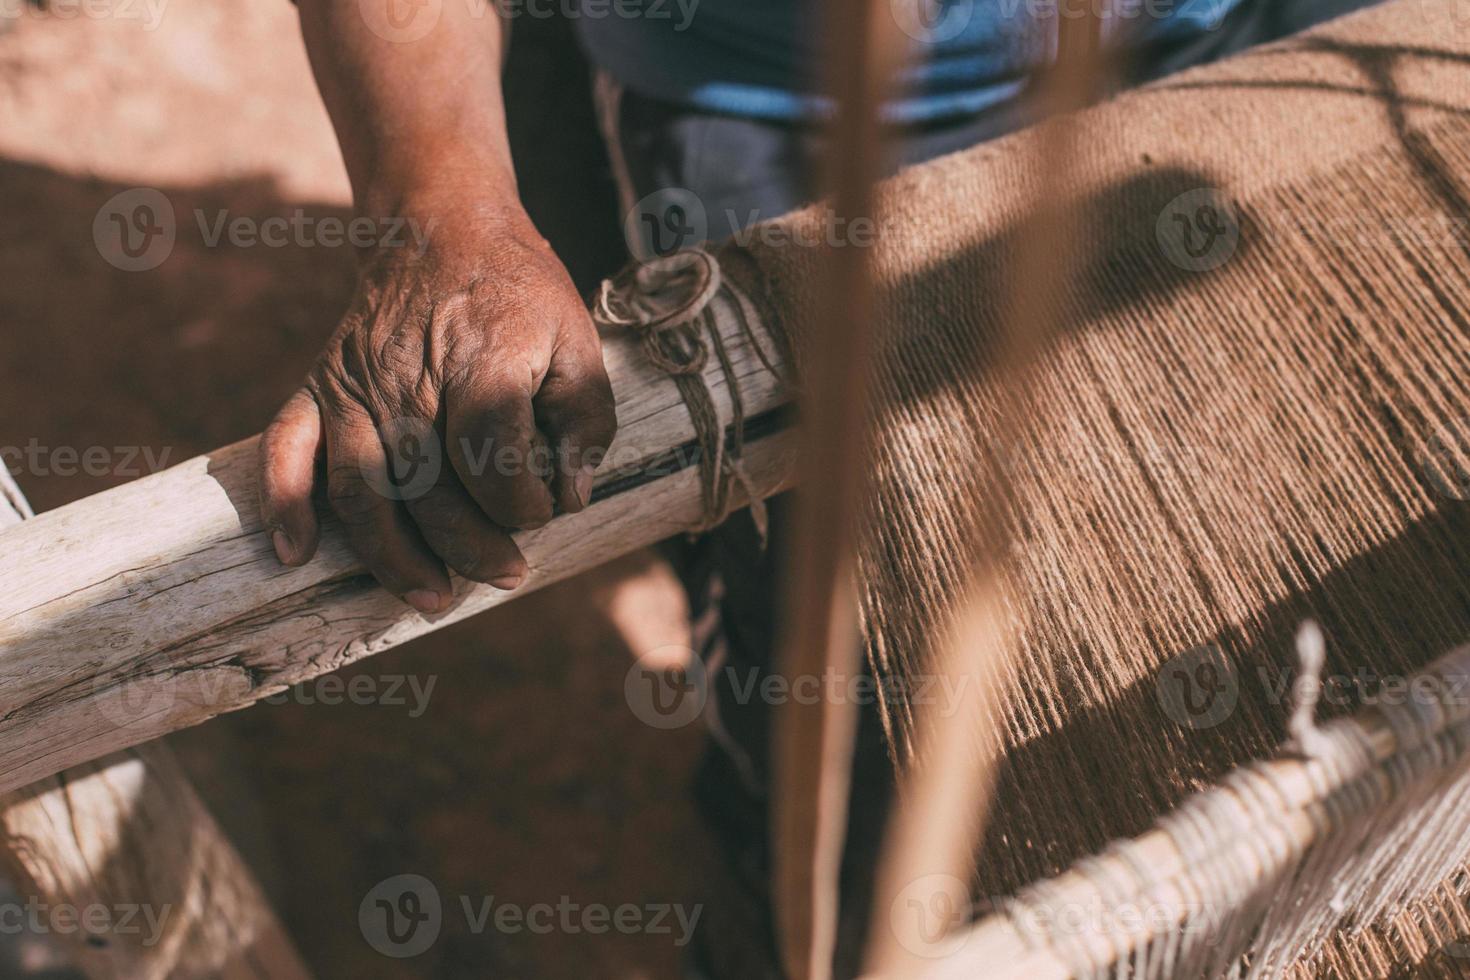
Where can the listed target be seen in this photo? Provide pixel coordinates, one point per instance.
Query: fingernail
(285, 550)
(508, 581)
(425, 600)
(582, 485)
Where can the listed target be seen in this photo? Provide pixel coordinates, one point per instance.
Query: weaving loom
(1231, 434)
(1255, 414)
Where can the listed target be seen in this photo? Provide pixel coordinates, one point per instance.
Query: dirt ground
(522, 774)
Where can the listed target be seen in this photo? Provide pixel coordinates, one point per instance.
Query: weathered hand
(462, 394)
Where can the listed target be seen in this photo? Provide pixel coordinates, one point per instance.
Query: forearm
(417, 120)
(476, 341)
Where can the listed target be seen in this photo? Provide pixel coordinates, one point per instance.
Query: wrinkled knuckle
(351, 498)
(438, 519)
(470, 560)
(399, 354)
(350, 357)
(516, 432)
(523, 511)
(333, 385)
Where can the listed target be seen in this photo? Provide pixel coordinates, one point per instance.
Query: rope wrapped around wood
(666, 300)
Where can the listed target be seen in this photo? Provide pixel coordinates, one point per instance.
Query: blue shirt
(758, 57)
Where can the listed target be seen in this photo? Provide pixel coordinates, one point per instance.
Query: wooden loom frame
(214, 624)
(265, 636)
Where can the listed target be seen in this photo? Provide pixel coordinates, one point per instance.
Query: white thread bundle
(1280, 856)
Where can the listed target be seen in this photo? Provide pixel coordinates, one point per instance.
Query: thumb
(288, 453)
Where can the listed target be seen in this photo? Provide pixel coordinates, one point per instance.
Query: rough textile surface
(1255, 410)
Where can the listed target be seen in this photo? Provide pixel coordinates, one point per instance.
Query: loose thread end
(1305, 738)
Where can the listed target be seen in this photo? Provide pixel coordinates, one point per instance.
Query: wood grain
(159, 604)
(128, 844)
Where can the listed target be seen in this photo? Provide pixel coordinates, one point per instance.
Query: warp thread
(667, 300)
(1256, 916)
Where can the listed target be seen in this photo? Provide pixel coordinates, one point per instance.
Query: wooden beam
(126, 841)
(125, 846)
(159, 604)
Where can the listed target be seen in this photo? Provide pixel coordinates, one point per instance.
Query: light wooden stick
(158, 605)
(128, 845)
(945, 794)
(129, 836)
(813, 743)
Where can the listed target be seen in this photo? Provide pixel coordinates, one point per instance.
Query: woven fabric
(1256, 410)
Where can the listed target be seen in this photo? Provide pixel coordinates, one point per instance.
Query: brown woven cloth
(1257, 410)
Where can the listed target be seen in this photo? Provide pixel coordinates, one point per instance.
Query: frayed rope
(667, 300)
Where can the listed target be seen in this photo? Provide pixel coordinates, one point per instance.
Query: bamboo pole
(944, 795)
(813, 743)
(126, 847)
(159, 604)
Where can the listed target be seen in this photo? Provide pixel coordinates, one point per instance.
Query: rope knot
(666, 300)
(662, 299)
